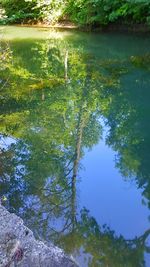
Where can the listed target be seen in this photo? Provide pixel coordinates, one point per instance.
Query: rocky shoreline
(19, 248)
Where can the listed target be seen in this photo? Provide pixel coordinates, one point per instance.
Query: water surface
(75, 141)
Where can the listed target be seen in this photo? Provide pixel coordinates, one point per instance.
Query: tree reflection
(50, 111)
(127, 116)
(102, 245)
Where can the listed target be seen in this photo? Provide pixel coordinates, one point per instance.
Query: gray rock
(18, 246)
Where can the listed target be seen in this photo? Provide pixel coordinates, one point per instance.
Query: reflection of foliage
(103, 245)
(5, 55)
(43, 203)
(127, 116)
(5, 59)
(50, 109)
(141, 61)
(52, 121)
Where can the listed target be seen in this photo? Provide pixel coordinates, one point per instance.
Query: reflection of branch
(3, 141)
(5, 83)
(4, 58)
(69, 172)
(65, 227)
(140, 240)
(66, 65)
(60, 205)
(70, 161)
(143, 238)
(57, 191)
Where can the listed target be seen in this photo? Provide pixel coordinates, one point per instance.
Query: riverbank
(63, 24)
(91, 15)
(135, 28)
(18, 246)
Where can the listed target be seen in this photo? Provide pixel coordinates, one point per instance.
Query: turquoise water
(75, 141)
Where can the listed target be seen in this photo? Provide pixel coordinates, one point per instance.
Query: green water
(75, 141)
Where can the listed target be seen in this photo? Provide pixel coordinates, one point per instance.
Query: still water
(75, 141)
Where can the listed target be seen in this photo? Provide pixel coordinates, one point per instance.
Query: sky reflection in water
(61, 98)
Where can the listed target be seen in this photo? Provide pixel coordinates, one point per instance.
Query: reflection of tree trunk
(82, 120)
(43, 95)
(81, 125)
(66, 65)
(83, 116)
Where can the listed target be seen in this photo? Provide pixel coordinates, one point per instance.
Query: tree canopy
(82, 12)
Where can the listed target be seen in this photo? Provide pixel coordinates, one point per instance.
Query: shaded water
(75, 141)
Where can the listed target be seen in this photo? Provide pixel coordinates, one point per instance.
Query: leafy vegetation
(82, 12)
(106, 11)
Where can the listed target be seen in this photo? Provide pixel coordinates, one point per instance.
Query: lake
(75, 140)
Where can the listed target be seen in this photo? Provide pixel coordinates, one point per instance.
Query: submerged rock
(18, 246)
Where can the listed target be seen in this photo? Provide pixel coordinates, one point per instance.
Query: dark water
(75, 141)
